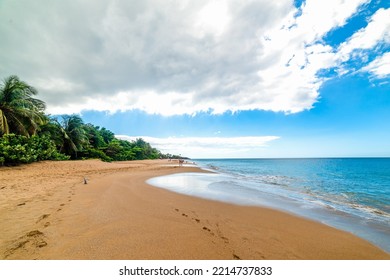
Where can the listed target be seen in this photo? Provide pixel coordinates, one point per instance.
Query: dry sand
(47, 212)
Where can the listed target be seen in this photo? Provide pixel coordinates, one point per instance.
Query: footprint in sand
(38, 241)
(44, 216)
(34, 233)
(226, 240)
(183, 214)
(41, 243)
(209, 230)
(206, 228)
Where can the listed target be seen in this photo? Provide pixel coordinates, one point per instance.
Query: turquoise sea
(351, 194)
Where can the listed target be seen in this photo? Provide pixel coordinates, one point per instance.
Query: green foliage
(95, 153)
(75, 137)
(120, 150)
(107, 135)
(95, 138)
(16, 149)
(20, 112)
(53, 130)
(135, 150)
(143, 150)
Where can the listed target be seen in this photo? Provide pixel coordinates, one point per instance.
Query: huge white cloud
(177, 57)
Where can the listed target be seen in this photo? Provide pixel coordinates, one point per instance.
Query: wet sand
(47, 212)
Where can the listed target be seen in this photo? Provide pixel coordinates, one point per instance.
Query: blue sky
(212, 78)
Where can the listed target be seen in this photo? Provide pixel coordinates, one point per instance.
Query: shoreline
(47, 212)
(222, 187)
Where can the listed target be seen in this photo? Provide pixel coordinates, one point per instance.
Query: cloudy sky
(212, 78)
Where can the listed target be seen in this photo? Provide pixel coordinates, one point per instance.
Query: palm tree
(74, 135)
(20, 112)
(53, 130)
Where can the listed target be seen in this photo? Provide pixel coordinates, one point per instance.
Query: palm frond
(4, 128)
(23, 113)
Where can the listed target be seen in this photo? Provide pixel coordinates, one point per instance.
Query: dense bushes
(16, 149)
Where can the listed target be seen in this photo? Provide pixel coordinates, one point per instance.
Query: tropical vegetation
(27, 134)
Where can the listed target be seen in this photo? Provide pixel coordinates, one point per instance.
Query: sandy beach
(47, 212)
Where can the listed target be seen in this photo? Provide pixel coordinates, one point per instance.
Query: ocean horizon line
(257, 158)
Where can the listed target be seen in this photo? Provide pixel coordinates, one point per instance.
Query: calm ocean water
(352, 194)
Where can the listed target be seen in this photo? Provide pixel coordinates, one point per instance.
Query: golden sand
(47, 212)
